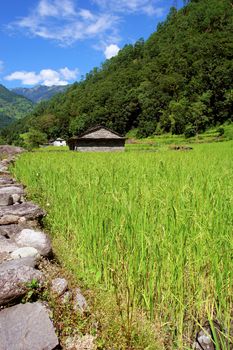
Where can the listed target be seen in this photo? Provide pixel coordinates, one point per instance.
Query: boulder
(59, 286)
(15, 264)
(28, 210)
(25, 252)
(26, 327)
(36, 239)
(13, 282)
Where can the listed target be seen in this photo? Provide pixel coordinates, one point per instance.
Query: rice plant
(156, 228)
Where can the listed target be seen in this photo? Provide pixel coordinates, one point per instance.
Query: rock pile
(22, 246)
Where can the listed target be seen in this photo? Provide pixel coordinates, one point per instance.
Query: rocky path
(27, 325)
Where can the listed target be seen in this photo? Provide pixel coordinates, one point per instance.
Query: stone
(28, 210)
(12, 190)
(26, 327)
(6, 199)
(59, 286)
(8, 219)
(25, 252)
(36, 239)
(204, 338)
(10, 231)
(16, 198)
(13, 282)
(85, 342)
(10, 150)
(15, 264)
(80, 303)
(66, 297)
(4, 256)
(6, 181)
(7, 245)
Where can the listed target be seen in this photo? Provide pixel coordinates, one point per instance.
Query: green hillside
(12, 106)
(178, 81)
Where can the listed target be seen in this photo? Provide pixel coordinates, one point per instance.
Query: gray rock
(26, 327)
(10, 230)
(16, 198)
(7, 245)
(15, 264)
(36, 239)
(204, 338)
(11, 190)
(6, 199)
(10, 150)
(8, 219)
(13, 280)
(80, 303)
(59, 286)
(25, 252)
(28, 210)
(66, 297)
(6, 181)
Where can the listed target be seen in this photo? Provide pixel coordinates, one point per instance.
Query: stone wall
(99, 149)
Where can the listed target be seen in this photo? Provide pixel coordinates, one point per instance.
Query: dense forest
(179, 81)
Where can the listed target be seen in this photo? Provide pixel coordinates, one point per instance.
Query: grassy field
(155, 228)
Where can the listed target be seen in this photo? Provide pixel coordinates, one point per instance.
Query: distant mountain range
(12, 106)
(40, 92)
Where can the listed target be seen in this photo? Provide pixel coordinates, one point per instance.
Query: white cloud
(61, 21)
(148, 7)
(1, 66)
(111, 51)
(47, 8)
(46, 77)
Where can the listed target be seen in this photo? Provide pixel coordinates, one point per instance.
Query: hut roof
(96, 128)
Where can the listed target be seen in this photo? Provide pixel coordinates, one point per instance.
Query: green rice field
(156, 228)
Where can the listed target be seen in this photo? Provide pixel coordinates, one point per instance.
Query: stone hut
(97, 139)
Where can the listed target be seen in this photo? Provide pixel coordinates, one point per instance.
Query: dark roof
(96, 128)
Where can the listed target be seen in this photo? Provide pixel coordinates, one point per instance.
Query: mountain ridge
(40, 93)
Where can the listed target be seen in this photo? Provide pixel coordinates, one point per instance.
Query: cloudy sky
(56, 42)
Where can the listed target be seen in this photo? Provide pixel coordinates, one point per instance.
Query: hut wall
(98, 145)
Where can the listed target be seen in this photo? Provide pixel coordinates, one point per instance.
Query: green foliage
(33, 139)
(181, 76)
(220, 131)
(189, 131)
(12, 106)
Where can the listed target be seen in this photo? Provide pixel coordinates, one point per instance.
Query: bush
(189, 131)
(220, 131)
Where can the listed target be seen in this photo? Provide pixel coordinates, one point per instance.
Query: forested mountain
(179, 80)
(12, 106)
(40, 92)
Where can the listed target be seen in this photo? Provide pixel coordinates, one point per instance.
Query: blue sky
(55, 42)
